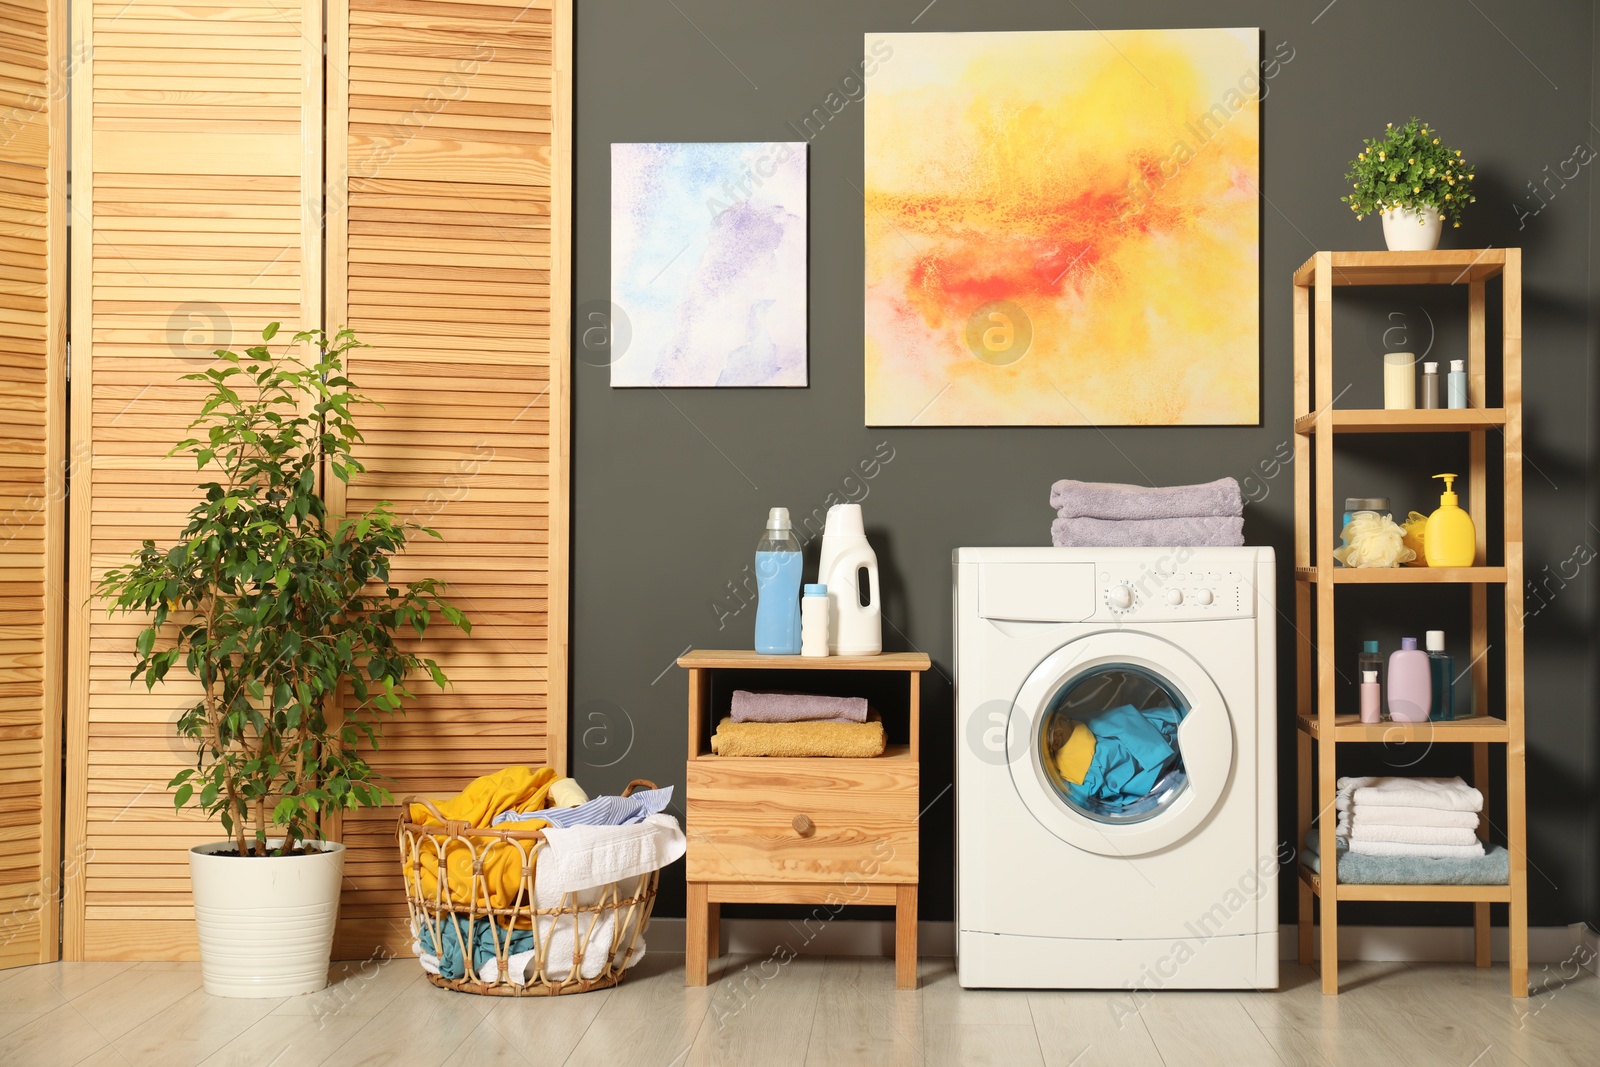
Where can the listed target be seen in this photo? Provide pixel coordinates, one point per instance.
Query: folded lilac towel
(1110, 500)
(1206, 531)
(795, 707)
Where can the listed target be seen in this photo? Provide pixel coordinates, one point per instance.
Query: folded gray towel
(795, 707)
(1206, 531)
(1110, 500)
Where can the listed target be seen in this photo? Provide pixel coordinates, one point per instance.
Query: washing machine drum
(1122, 743)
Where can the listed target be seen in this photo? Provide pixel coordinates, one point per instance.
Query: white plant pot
(1406, 230)
(265, 922)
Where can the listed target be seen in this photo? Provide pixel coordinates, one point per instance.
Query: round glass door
(1109, 743)
(1125, 743)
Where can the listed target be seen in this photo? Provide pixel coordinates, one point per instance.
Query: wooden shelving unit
(1321, 727)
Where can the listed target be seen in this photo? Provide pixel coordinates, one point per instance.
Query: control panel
(1151, 592)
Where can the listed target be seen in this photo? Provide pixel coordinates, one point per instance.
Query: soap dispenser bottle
(1449, 539)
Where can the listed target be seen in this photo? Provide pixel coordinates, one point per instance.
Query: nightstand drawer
(803, 820)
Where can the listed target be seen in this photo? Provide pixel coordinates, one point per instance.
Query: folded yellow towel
(844, 739)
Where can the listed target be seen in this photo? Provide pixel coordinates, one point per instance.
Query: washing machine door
(1123, 744)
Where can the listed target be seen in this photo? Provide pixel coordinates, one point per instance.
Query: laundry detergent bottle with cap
(778, 565)
(855, 626)
(1450, 539)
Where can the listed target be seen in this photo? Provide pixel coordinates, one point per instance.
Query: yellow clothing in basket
(1074, 757)
(513, 789)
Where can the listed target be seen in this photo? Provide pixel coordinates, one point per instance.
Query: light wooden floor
(812, 1010)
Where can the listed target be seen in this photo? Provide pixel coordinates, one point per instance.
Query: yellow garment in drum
(1074, 757)
(513, 789)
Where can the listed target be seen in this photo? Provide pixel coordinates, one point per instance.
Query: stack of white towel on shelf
(1433, 817)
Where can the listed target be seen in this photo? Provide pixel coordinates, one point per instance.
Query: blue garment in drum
(1133, 750)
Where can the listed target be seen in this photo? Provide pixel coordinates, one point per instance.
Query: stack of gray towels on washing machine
(1110, 515)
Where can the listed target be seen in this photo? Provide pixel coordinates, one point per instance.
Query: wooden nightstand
(775, 830)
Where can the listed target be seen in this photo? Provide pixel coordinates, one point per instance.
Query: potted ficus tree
(1413, 182)
(288, 619)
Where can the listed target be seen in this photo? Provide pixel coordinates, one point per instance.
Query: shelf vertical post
(1327, 775)
(1516, 766)
(1305, 783)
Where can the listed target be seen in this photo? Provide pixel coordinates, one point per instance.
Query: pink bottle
(1410, 683)
(1371, 708)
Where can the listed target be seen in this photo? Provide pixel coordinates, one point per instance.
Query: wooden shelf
(746, 659)
(1432, 894)
(1318, 426)
(1405, 575)
(891, 754)
(1349, 727)
(1453, 266)
(1420, 420)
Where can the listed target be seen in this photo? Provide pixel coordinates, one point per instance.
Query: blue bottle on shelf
(778, 565)
(1442, 671)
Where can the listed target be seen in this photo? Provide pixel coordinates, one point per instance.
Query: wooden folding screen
(32, 473)
(447, 156)
(197, 167)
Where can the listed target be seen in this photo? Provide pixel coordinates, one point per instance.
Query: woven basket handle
(636, 784)
(426, 803)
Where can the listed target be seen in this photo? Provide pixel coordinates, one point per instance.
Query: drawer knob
(803, 826)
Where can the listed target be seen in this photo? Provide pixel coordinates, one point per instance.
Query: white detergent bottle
(854, 628)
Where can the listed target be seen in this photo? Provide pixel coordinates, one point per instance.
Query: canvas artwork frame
(708, 264)
(1063, 228)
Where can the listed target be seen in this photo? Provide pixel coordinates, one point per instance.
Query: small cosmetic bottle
(1456, 387)
(1430, 386)
(1371, 706)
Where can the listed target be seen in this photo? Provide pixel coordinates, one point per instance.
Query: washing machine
(1159, 869)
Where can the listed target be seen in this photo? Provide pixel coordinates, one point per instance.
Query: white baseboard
(1586, 948)
(855, 937)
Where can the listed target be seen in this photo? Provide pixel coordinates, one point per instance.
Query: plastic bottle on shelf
(1449, 539)
(1430, 386)
(778, 563)
(1371, 698)
(1442, 679)
(1370, 659)
(1456, 386)
(814, 621)
(855, 627)
(1399, 380)
(1410, 685)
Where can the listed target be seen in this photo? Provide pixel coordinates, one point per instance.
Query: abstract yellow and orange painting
(1062, 228)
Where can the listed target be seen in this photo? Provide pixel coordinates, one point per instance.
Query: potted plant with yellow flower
(1413, 182)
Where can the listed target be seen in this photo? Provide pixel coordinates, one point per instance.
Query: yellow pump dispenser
(1450, 539)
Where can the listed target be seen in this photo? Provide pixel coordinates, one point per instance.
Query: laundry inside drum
(1109, 743)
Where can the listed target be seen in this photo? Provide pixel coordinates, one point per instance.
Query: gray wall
(670, 488)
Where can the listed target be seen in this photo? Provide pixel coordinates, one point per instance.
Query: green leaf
(270, 332)
(182, 796)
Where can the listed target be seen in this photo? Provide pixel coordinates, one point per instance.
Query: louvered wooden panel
(440, 255)
(32, 479)
(197, 159)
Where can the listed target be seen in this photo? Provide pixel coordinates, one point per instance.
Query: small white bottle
(814, 621)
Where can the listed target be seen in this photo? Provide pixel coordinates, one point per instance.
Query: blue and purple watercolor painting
(708, 263)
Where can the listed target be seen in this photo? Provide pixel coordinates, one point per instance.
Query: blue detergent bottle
(778, 565)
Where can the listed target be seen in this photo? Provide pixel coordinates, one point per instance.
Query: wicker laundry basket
(610, 917)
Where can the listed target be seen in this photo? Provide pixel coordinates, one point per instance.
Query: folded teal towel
(1492, 868)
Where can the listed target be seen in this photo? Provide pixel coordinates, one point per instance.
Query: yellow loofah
(1415, 525)
(1373, 540)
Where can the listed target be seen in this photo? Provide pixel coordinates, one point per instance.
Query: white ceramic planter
(1406, 230)
(266, 923)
